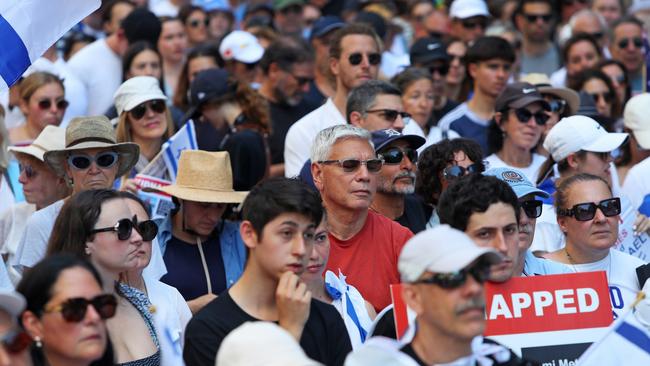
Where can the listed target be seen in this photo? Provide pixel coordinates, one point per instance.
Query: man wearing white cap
(469, 18)
(637, 183)
(241, 52)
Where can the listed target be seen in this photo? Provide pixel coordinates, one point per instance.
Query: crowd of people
(342, 146)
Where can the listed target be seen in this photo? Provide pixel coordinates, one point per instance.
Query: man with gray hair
(364, 244)
(376, 105)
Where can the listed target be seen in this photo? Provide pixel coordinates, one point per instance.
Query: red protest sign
(399, 310)
(548, 303)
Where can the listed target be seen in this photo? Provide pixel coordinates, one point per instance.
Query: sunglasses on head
(480, 271)
(607, 96)
(395, 155)
(586, 211)
(532, 208)
(524, 115)
(390, 114)
(557, 105)
(441, 69)
(46, 104)
(15, 341)
(147, 229)
(637, 42)
(352, 165)
(195, 23)
(158, 106)
(472, 24)
(457, 171)
(74, 310)
(104, 160)
(532, 18)
(28, 170)
(356, 58)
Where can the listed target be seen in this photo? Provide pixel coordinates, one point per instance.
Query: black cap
(142, 25)
(207, 85)
(375, 21)
(517, 95)
(382, 138)
(426, 50)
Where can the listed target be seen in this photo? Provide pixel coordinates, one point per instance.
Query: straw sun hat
(89, 133)
(51, 138)
(204, 177)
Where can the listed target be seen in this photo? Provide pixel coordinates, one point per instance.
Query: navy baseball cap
(325, 25)
(207, 85)
(382, 138)
(517, 181)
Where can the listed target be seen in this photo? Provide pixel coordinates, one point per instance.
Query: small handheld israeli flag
(184, 139)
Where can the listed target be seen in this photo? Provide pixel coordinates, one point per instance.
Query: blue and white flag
(29, 27)
(184, 139)
(626, 342)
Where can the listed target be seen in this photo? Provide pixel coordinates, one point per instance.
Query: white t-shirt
(637, 183)
(100, 71)
(6, 195)
(165, 9)
(530, 171)
(301, 135)
(12, 227)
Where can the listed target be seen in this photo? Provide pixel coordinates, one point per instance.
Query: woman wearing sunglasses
(66, 313)
(597, 84)
(42, 101)
(516, 129)
(196, 24)
(100, 225)
(172, 45)
(588, 215)
(14, 341)
(143, 118)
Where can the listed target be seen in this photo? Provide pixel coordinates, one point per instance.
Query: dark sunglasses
(15, 341)
(352, 165)
(472, 24)
(532, 18)
(480, 271)
(456, 171)
(28, 170)
(442, 69)
(571, 2)
(395, 155)
(524, 115)
(607, 96)
(390, 114)
(158, 106)
(302, 80)
(636, 41)
(356, 58)
(453, 58)
(557, 105)
(74, 310)
(104, 160)
(586, 211)
(250, 67)
(195, 23)
(597, 35)
(532, 208)
(46, 104)
(147, 229)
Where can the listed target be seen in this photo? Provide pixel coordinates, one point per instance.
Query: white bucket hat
(135, 91)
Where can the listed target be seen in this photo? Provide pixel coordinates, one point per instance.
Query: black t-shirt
(282, 117)
(414, 216)
(513, 361)
(324, 339)
(437, 114)
(248, 160)
(185, 269)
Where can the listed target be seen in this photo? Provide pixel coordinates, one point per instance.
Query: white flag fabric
(29, 27)
(184, 139)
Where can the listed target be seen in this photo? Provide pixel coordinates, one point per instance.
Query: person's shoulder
(391, 225)
(85, 54)
(625, 258)
(501, 355)
(214, 313)
(642, 169)
(453, 115)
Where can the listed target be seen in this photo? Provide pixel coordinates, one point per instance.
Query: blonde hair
(33, 82)
(123, 129)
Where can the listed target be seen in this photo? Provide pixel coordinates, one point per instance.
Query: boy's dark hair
(271, 198)
(488, 48)
(474, 193)
(107, 9)
(286, 54)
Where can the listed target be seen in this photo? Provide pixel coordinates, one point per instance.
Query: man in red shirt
(364, 244)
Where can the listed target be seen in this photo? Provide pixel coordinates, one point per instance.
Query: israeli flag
(184, 139)
(29, 27)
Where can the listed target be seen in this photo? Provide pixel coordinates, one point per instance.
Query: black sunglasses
(557, 105)
(74, 310)
(302, 80)
(104, 160)
(532, 18)
(441, 69)
(607, 96)
(480, 271)
(46, 104)
(28, 170)
(140, 110)
(532, 208)
(395, 155)
(251, 67)
(356, 58)
(471, 24)
(15, 341)
(195, 23)
(524, 115)
(390, 114)
(352, 165)
(456, 171)
(586, 211)
(636, 41)
(147, 229)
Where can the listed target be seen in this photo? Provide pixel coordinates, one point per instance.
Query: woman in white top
(588, 215)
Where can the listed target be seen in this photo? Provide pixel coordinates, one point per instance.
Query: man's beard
(389, 187)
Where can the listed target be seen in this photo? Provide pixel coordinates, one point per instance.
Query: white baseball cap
(241, 46)
(576, 133)
(635, 118)
(442, 249)
(135, 91)
(12, 302)
(463, 9)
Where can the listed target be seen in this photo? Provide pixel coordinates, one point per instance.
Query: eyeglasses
(103, 160)
(557, 105)
(352, 165)
(472, 24)
(195, 23)
(356, 58)
(532, 18)
(28, 170)
(46, 104)
(395, 155)
(457, 171)
(158, 106)
(524, 115)
(636, 41)
(15, 341)
(390, 114)
(586, 211)
(147, 229)
(74, 310)
(606, 96)
(480, 271)
(442, 69)
(532, 208)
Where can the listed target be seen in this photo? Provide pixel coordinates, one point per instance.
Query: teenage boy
(279, 219)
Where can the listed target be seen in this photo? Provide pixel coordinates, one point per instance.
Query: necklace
(573, 264)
